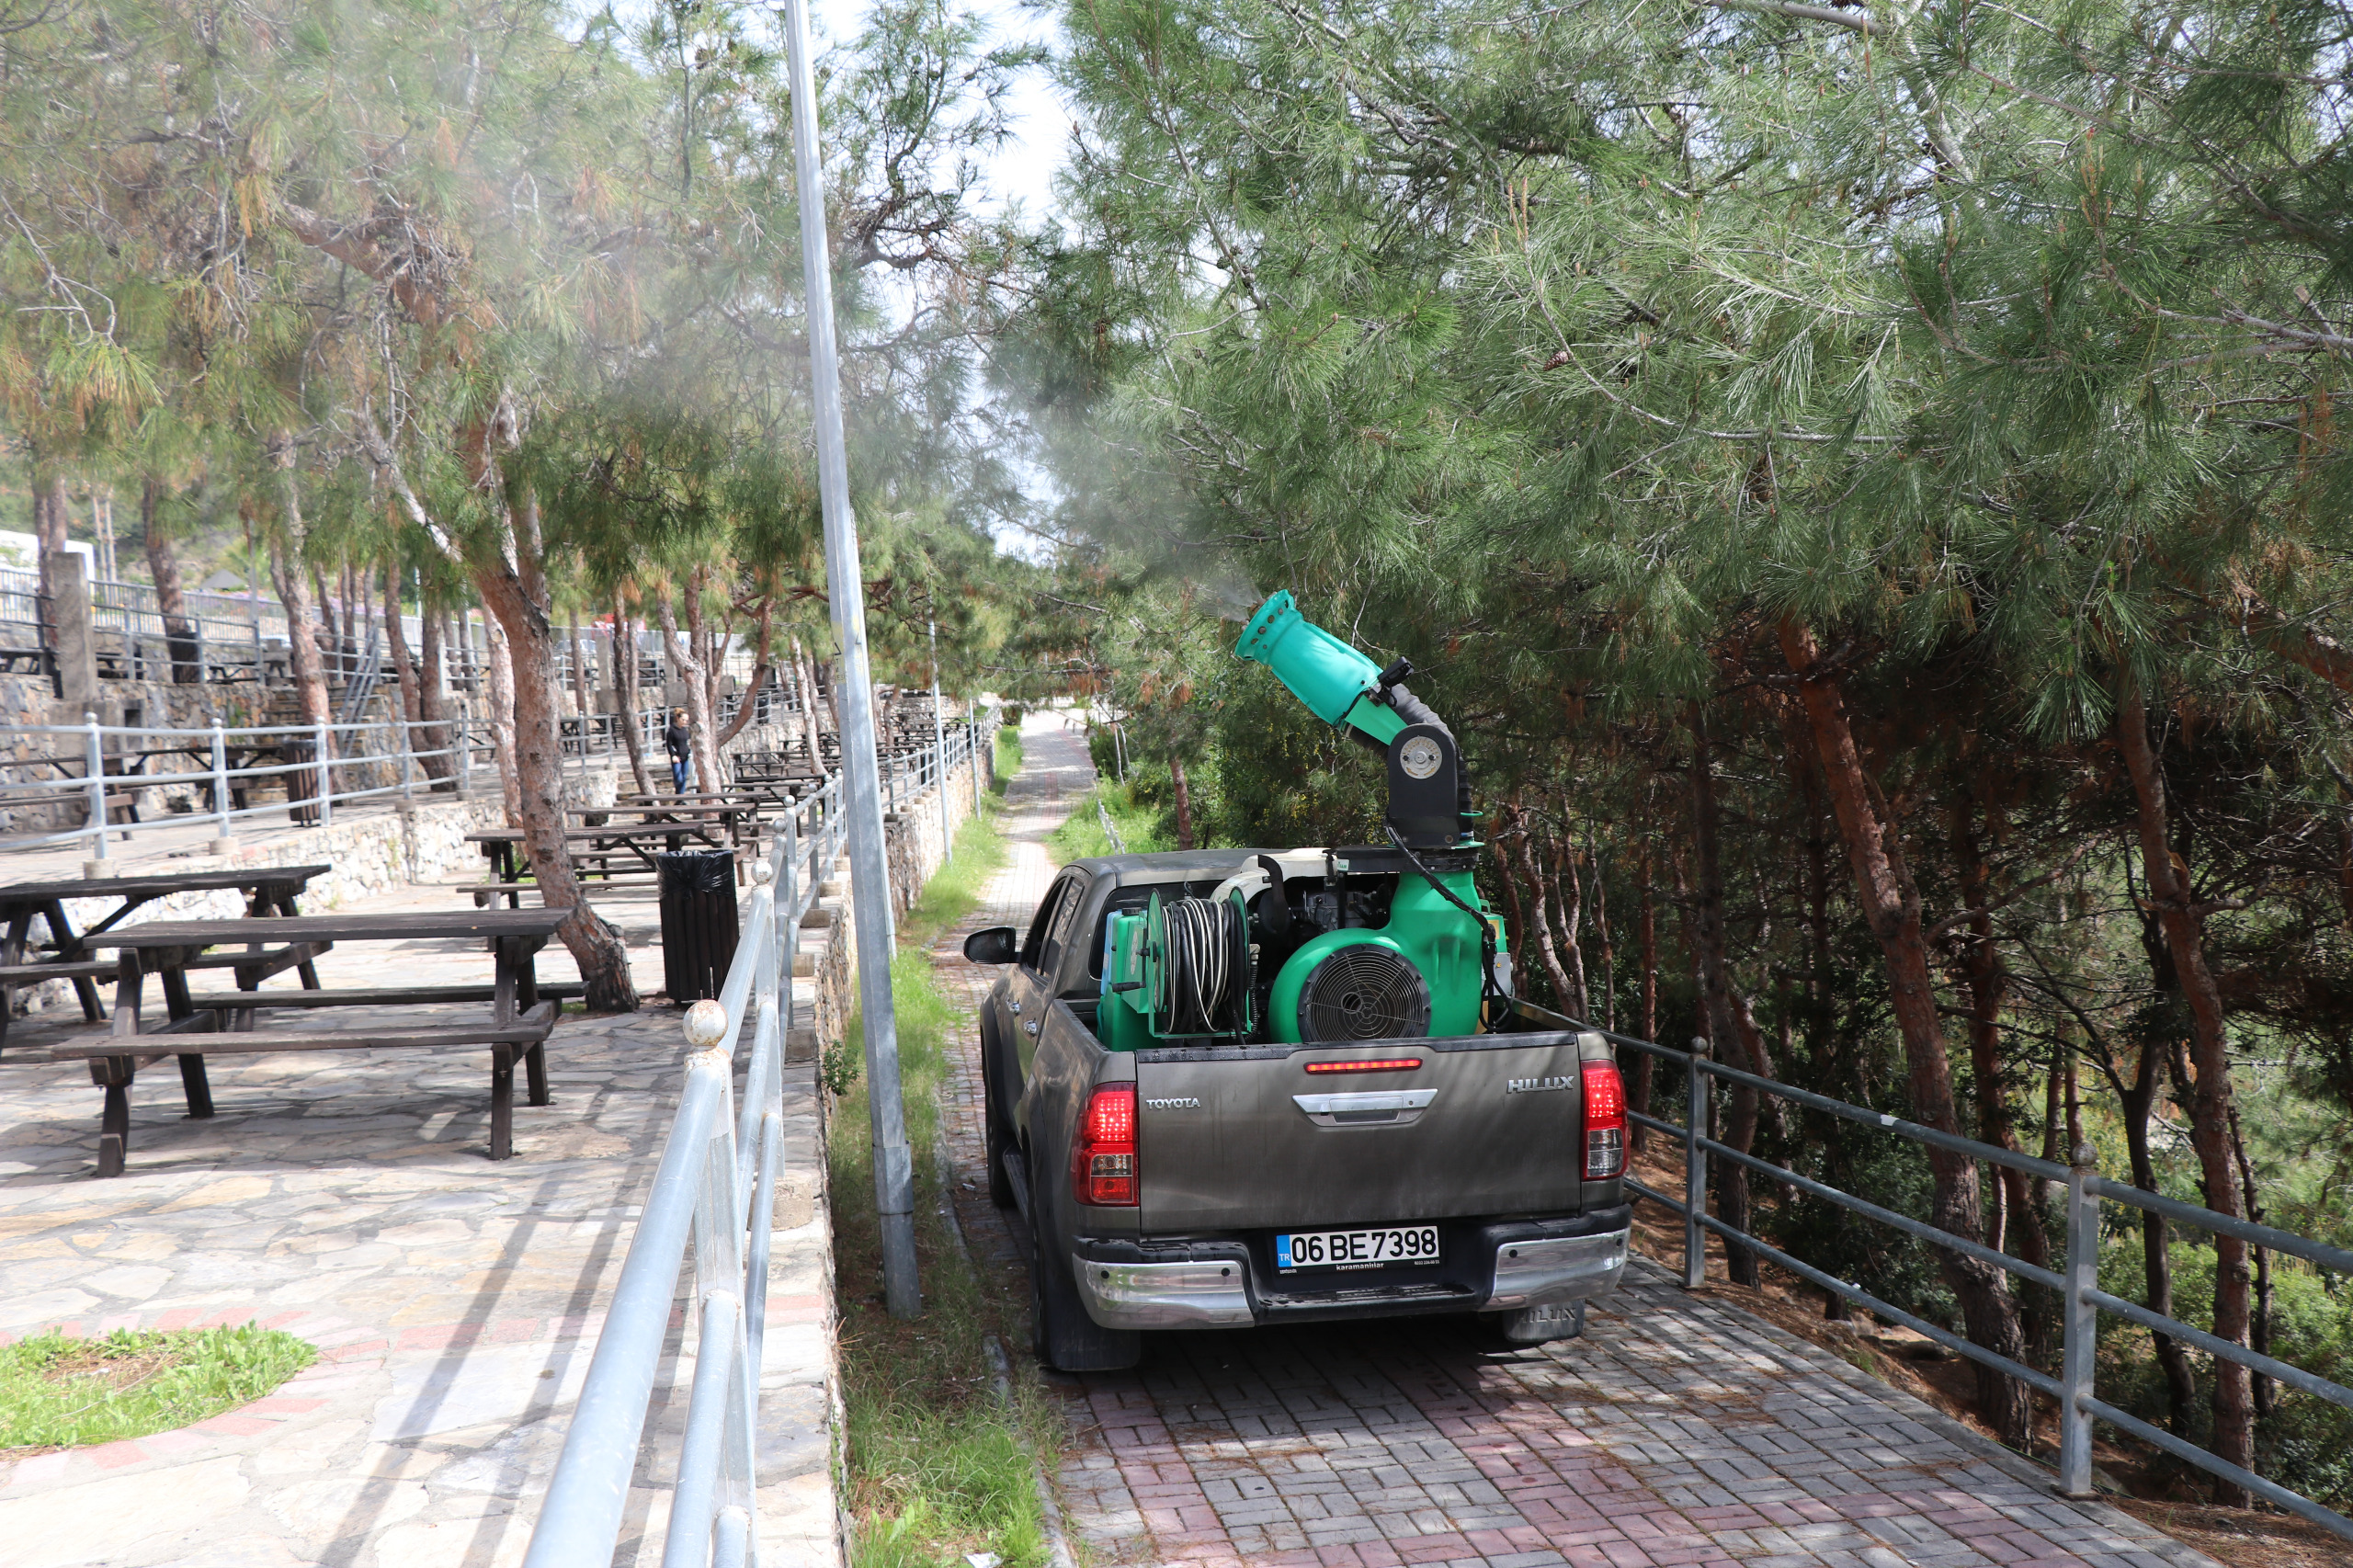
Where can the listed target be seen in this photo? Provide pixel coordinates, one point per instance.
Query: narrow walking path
(1677, 1431)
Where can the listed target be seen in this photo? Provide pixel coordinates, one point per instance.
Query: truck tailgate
(1241, 1138)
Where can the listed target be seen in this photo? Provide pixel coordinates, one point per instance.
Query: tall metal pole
(845, 582)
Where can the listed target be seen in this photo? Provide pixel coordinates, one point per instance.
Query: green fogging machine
(1380, 942)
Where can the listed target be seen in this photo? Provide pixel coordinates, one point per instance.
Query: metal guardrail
(322, 766)
(2078, 1285)
(716, 1182)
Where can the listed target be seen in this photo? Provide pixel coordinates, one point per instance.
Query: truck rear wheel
(1061, 1333)
(994, 1141)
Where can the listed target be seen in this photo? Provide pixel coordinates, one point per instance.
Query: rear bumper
(1214, 1283)
(1551, 1270)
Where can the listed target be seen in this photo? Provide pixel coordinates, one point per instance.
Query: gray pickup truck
(1325, 1145)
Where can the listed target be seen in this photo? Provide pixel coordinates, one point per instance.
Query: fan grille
(1363, 992)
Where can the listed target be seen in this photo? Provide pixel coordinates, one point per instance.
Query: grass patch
(1081, 836)
(1007, 755)
(57, 1393)
(937, 1466)
(956, 888)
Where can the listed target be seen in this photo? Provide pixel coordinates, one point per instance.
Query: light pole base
(94, 870)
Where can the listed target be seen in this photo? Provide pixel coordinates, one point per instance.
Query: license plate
(1356, 1249)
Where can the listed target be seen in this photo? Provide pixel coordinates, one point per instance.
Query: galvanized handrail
(716, 1179)
(312, 782)
(2077, 1284)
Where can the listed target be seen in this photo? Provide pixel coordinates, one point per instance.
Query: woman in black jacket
(680, 739)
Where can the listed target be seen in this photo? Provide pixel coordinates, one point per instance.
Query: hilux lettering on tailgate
(1188, 1103)
(1535, 1086)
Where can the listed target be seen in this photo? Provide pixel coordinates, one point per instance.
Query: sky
(1024, 166)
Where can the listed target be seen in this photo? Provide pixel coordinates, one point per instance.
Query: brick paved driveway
(1676, 1431)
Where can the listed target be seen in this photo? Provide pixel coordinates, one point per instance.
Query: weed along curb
(1057, 1542)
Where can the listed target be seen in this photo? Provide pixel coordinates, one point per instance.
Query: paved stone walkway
(349, 1200)
(1677, 1431)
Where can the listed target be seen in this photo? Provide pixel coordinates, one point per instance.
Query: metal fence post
(408, 791)
(326, 783)
(1695, 1167)
(787, 892)
(221, 784)
(2081, 1323)
(465, 758)
(95, 765)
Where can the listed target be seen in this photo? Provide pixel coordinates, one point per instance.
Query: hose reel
(1197, 970)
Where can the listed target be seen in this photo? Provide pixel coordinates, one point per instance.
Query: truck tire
(993, 1138)
(1061, 1333)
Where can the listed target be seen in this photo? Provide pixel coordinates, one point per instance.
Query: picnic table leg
(12, 951)
(177, 1004)
(69, 946)
(527, 996)
(501, 1102)
(283, 902)
(114, 1074)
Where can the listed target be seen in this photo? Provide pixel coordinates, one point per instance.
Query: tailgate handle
(1389, 1108)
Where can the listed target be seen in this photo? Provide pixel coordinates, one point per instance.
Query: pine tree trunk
(1986, 981)
(499, 667)
(1731, 1021)
(538, 760)
(302, 647)
(1891, 906)
(2260, 1338)
(1539, 920)
(431, 709)
(404, 666)
(1646, 1027)
(1516, 926)
(763, 666)
(1569, 890)
(1183, 801)
(687, 672)
(171, 596)
(52, 520)
(2183, 927)
(2135, 1100)
(625, 695)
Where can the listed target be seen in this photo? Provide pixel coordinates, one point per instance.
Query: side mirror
(997, 944)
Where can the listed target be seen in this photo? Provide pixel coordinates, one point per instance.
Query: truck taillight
(1605, 1121)
(1103, 1161)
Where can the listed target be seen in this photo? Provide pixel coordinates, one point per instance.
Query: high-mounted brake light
(1381, 1064)
(1605, 1121)
(1103, 1160)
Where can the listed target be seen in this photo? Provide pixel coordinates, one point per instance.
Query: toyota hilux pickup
(1232, 1088)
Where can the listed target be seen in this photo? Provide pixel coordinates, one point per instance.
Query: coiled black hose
(1200, 938)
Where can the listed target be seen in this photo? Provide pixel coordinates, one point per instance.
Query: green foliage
(1144, 826)
(61, 1392)
(1005, 758)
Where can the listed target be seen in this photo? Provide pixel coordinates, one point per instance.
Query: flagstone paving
(1676, 1431)
(350, 1199)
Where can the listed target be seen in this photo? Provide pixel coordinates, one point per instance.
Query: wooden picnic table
(503, 847)
(268, 890)
(221, 1023)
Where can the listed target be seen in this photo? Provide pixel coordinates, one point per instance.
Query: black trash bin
(699, 928)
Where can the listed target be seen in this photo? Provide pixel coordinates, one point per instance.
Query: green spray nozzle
(1333, 679)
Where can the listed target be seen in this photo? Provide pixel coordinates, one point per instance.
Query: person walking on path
(680, 739)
